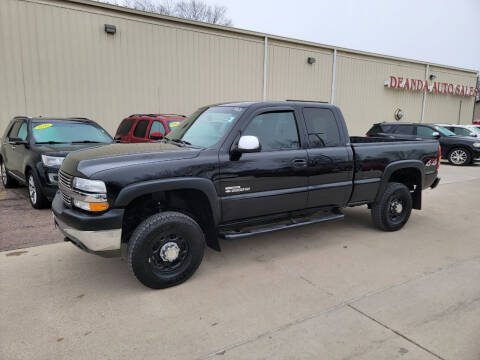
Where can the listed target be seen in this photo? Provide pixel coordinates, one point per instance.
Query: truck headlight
(52, 160)
(91, 186)
(476, 145)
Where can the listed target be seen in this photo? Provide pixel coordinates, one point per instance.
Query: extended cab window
(405, 130)
(275, 130)
(322, 127)
(141, 128)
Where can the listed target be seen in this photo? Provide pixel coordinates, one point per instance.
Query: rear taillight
(439, 158)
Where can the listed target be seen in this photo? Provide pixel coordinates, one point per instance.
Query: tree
(188, 9)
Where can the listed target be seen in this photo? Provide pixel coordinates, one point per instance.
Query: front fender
(133, 191)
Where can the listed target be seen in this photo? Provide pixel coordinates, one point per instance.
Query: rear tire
(166, 249)
(35, 193)
(459, 157)
(393, 210)
(7, 180)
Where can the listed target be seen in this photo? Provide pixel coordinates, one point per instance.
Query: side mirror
(436, 135)
(117, 139)
(157, 135)
(248, 144)
(17, 141)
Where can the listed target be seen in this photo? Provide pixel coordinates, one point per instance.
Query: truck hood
(93, 160)
(61, 150)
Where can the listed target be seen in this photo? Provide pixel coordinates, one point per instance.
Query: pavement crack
(395, 331)
(338, 306)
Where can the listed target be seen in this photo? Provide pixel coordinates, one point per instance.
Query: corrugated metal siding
(291, 77)
(450, 108)
(71, 67)
(476, 114)
(12, 90)
(362, 96)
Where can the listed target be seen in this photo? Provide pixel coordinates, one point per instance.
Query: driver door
(14, 153)
(272, 181)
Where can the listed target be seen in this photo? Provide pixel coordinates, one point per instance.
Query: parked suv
(32, 150)
(146, 127)
(458, 150)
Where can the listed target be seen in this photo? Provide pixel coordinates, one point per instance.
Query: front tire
(166, 249)
(35, 194)
(459, 157)
(7, 180)
(393, 210)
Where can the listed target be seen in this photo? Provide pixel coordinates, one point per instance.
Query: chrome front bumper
(106, 243)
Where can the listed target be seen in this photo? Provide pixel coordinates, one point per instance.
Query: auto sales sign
(397, 82)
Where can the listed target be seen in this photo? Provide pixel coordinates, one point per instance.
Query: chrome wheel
(4, 174)
(32, 190)
(458, 157)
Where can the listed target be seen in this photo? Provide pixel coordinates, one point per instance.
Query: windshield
(173, 124)
(68, 132)
(205, 128)
(444, 131)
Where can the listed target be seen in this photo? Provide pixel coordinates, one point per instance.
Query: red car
(146, 127)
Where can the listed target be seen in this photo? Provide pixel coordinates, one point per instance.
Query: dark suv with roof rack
(32, 151)
(146, 127)
(458, 150)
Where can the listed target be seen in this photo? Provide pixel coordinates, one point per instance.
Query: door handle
(298, 163)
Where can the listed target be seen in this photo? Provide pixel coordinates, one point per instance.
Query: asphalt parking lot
(341, 290)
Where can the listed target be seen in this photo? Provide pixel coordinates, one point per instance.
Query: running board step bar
(291, 225)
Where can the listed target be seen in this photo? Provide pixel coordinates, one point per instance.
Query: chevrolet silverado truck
(231, 171)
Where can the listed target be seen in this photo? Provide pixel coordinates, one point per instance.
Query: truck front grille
(66, 181)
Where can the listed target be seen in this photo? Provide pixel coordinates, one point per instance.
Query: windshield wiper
(52, 142)
(86, 142)
(180, 141)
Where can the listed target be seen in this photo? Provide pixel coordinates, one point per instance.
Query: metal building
(83, 58)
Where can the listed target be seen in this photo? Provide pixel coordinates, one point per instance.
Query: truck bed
(373, 155)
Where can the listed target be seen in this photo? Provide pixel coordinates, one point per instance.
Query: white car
(475, 128)
(463, 130)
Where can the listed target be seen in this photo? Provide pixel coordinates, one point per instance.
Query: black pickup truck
(231, 171)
